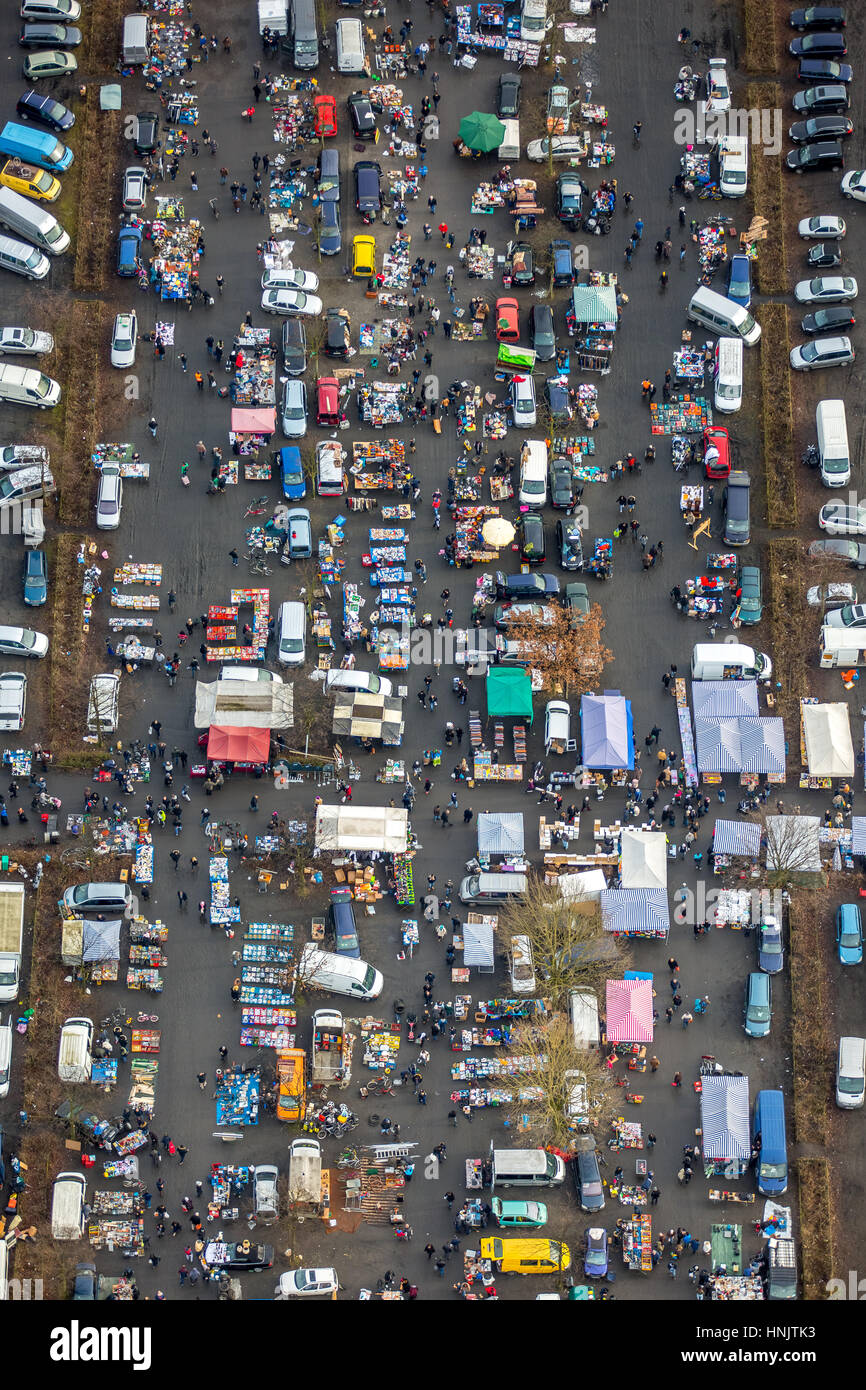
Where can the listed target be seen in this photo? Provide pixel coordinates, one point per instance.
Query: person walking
(678, 1079)
(686, 1019)
(636, 131)
(654, 1195)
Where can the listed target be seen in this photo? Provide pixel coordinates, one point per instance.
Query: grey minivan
(737, 508)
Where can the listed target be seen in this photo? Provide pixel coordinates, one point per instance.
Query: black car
(527, 586)
(824, 70)
(562, 262)
(337, 334)
(49, 36)
(242, 1256)
(827, 45)
(294, 346)
(542, 332)
(368, 186)
(146, 132)
(570, 545)
(33, 106)
(819, 101)
(557, 397)
(530, 536)
(818, 17)
(561, 484)
(329, 229)
(508, 96)
(587, 1181)
(836, 318)
(84, 1287)
(522, 264)
(824, 154)
(824, 255)
(361, 116)
(821, 128)
(569, 199)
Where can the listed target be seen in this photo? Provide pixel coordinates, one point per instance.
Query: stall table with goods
(712, 248)
(637, 1243)
(381, 1042)
(263, 1026)
(237, 1096)
(480, 1068)
(688, 367)
(125, 456)
(682, 414)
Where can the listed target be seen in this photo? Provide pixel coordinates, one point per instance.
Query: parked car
(854, 185)
(330, 229)
(849, 615)
(146, 132)
(849, 934)
(831, 596)
(819, 44)
(84, 1284)
(564, 147)
(13, 710)
(740, 280)
(825, 154)
(717, 452)
(291, 469)
(824, 227)
(516, 1213)
(299, 533)
(291, 302)
(244, 1256)
(577, 602)
(362, 116)
(25, 342)
(558, 108)
(128, 247)
(557, 397)
(751, 605)
(291, 278)
(124, 338)
(294, 346)
(16, 456)
(824, 255)
(52, 63)
(530, 537)
(821, 128)
(824, 70)
(771, 951)
(109, 498)
(851, 551)
(33, 106)
(562, 260)
(505, 614)
(568, 539)
(363, 257)
(134, 194)
(507, 320)
(22, 641)
(826, 289)
(561, 484)
(523, 403)
(508, 95)
(49, 36)
(818, 17)
(842, 519)
(822, 352)
(24, 485)
(595, 1253)
(758, 1005)
(522, 263)
(308, 1283)
(325, 119)
(568, 200)
(587, 1181)
(542, 332)
(293, 413)
(368, 186)
(718, 90)
(35, 578)
(830, 320)
(818, 101)
(527, 586)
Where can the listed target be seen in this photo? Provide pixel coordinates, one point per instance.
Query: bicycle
(349, 1158)
(710, 192)
(257, 507)
(259, 567)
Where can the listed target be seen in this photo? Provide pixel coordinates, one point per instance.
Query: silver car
(25, 342)
(294, 409)
(22, 641)
(134, 188)
(826, 289)
(822, 352)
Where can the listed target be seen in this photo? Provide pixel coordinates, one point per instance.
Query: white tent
(589, 885)
(827, 732)
(382, 828)
(251, 704)
(644, 859)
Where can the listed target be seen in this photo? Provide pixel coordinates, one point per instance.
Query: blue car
(35, 579)
(771, 951)
(849, 934)
(595, 1253)
(292, 473)
(740, 281)
(128, 245)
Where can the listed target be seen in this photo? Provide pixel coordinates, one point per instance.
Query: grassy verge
(761, 53)
(765, 175)
(816, 1226)
(81, 391)
(777, 424)
(786, 587)
(68, 680)
(810, 1044)
(99, 156)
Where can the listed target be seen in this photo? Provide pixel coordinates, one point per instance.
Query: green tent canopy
(482, 131)
(509, 693)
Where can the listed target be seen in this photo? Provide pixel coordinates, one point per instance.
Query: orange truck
(291, 1084)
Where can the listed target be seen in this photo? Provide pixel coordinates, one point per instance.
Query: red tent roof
(232, 744)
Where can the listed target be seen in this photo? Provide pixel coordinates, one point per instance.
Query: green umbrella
(481, 131)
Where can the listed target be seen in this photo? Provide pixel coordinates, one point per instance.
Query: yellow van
(526, 1256)
(26, 178)
(291, 1086)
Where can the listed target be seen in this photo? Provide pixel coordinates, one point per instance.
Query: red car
(325, 123)
(507, 321)
(717, 452)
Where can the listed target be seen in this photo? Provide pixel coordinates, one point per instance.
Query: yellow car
(364, 257)
(26, 178)
(526, 1256)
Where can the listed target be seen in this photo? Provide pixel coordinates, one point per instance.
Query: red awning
(259, 420)
(232, 744)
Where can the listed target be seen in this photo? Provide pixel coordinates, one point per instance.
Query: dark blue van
(768, 1136)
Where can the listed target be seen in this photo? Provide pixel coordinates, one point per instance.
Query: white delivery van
(67, 1206)
(733, 166)
(5, 1058)
(292, 633)
(522, 968)
(492, 888)
(728, 375)
(533, 21)
(729, 661)
(27, 386)
(721, 315)
(103, 704)
(273, 15)
(75, 1059)
(338, 974)
(851, 1073)
(135, 47)
(351, 57)
(533, 473)
(833, 452)
(29, 220)
(842, 646)
(583, 1007)
(527, 1168)
(509, 150)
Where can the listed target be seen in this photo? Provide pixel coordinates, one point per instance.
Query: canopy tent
(737, 837)
(254, 704)
(259, 419)
(594, 304)
(644, 859)
(711, 698)
(360, 714)
(629, 1011)
(606, 731)
(827, 735)
(725, 1118)
(232, 743)
(744, 744)
(793, 843)
(100, 941)
(481, 131)
(587, 886)
(478, 946)
(636, 912)
(500, 832)
(382, 828)
(858, 834)
(509, 693)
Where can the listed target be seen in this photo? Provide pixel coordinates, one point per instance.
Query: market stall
(509, 693)
(725, 1136)
(644, 859)
(592, 320)
(372, 828)
(734, 839)
(500, 835)
(629, 1011)
(734, 699)
(745, 745)
(827, 740)
(638, 912)
(607, 732)
(361, 715)
(237, 1096)
(243, 746)
(478, 948)
(637, 1243)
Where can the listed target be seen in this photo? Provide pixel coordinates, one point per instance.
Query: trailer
(331, 1052)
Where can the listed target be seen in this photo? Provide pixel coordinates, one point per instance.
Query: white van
(338, 974)
(509, 150)
(522, 968)
(75, 1059)
(583, 1007)
(292, 633)
(492, 888)
(527, 1168)
(33, 222)
(5, 1056)
(733, 166)
(851, 1073)
(351, 56)
(833, 451)
(67, 1206)
(305, 1175)
(729, 661)
(135, 48)
(23, 259)
(368, 682)
(533, 21)
(721, 315)
(533, 473)
(557, 727)
(27, 386)
(103, 704)
(728, 375)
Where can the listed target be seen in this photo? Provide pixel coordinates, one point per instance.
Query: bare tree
(559, 1089)
(570, 950)
(792, 846)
